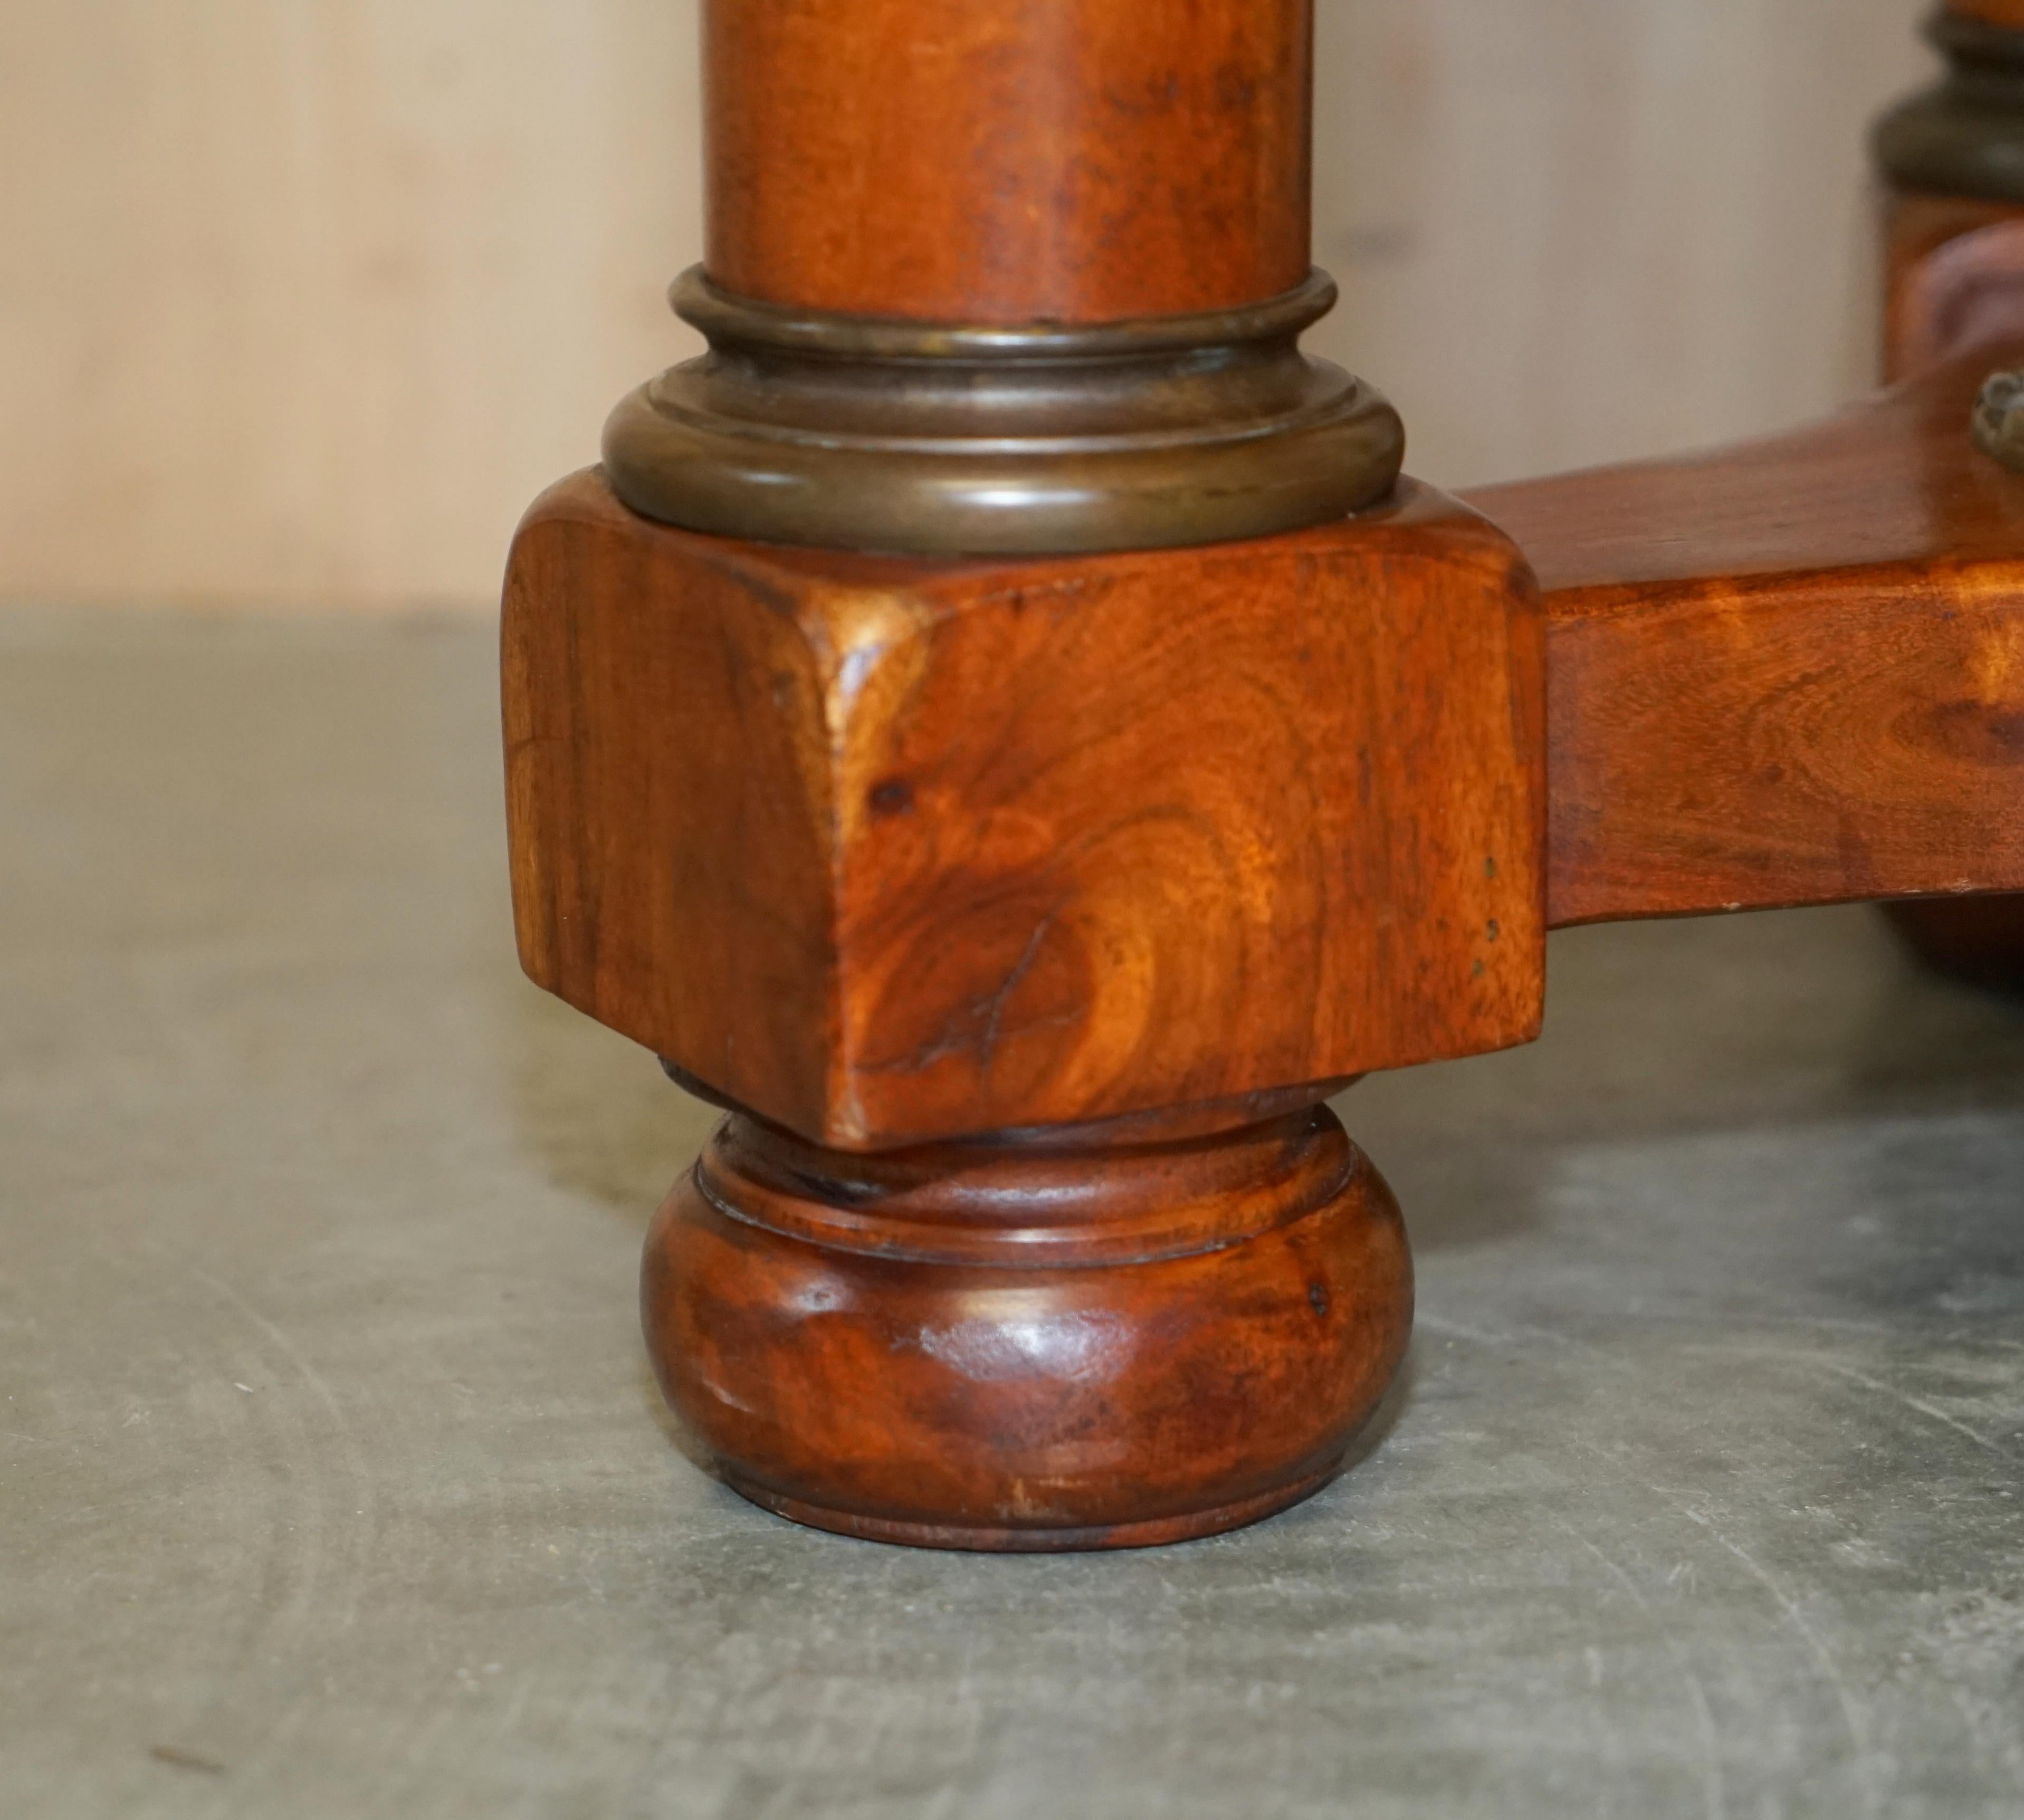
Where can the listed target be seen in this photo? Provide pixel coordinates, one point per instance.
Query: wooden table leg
(999, 725)
(1024, 910)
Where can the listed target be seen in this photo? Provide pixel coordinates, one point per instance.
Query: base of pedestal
(1030, 1346)
(1156, 1532)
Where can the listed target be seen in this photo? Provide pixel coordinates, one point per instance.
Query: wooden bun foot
(1032, 1344)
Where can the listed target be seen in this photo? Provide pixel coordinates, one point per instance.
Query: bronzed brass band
(874, 433)
(1965, 137)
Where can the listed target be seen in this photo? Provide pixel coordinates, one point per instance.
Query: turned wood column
(1023, 278)
(999, 725)
(1073, 161)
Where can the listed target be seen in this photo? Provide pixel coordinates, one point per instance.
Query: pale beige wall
(305, 299)
(301, 300)
(1572, 231)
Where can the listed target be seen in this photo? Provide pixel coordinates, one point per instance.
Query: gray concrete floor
(334, 1483)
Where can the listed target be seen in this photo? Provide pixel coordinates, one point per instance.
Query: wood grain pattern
(1022, 910)
(1040, 1346)
(893, 849)
(1789, 673)
(1075, 160)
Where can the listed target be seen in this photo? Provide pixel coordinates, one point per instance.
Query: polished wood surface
(893, 850)
(1788, 673)
(1045, 1345)
(1021, 911)
(1076, 160)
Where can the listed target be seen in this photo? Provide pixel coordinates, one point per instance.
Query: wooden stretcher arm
(1790, 672)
